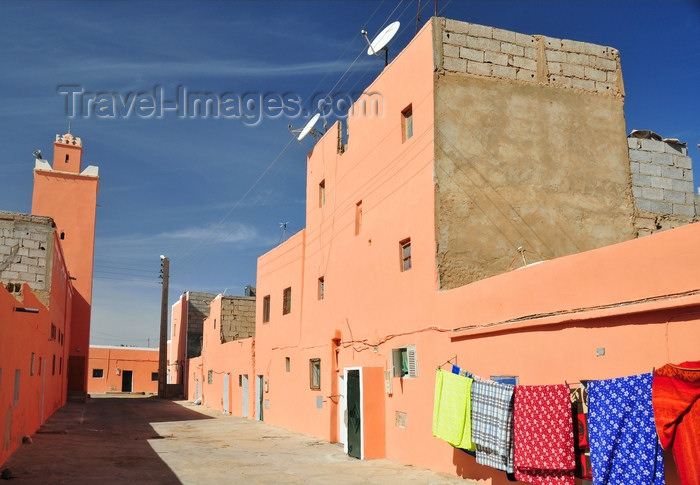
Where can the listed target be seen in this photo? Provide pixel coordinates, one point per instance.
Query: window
(358, 217)
(215, 323)
(266, 309)
(53, 366)
(407, 123)
(31, 364)
(315, 373)
(287, 364)
(405, 361)
(321, 287)
(210, 377)
(67, 158)
(512, 380)
(287, 301)
(322, 193)
(154, 376)
(98, 373)
(405, 246)
(60, 366)
(53, 332)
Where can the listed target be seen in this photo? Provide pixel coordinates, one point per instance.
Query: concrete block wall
(197, 311)
(237, 318)
(487, 51)
(26, 248)
(662, 185)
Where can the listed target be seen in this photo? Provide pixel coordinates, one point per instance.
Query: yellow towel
(452, 410)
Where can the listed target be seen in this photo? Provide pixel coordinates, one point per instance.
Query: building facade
(123, 369)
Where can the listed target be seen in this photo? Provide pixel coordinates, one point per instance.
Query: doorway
(227, 396)
(259, 397)
(354, 412)
(127, 380)
(244, 389)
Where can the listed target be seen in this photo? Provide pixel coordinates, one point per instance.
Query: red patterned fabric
(675, 396)
(543, 435)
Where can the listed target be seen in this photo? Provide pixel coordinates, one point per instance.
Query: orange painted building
(418, 223)
(123, 369)
(35, 322)
(69, 196)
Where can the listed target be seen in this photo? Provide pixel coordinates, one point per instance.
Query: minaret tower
(69, 196)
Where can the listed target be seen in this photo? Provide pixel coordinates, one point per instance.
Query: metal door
(259, 398)
(227, 397)
(244, 403)
(354, 414)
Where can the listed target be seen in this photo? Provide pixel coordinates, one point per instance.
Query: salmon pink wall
(177, 360)
(113, 361)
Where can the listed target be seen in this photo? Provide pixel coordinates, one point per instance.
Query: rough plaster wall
(662, 183)
(197, 311)
(528, 164)
(237, 318)
(26, 252)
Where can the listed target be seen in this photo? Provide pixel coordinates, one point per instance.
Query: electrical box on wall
(387, 382)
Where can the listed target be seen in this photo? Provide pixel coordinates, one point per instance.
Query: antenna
(308, 128)
(69, 127)
(381, 40)
(283, 225)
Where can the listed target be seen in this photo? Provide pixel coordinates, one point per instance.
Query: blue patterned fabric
(625, 448)
(492, 424)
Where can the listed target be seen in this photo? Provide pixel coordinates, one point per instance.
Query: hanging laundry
(452, 409)
(582, 449)
(676, 400)
(543, 435)
(492, 424)
(625, 448)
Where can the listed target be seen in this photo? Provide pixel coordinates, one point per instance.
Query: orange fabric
(676, 401)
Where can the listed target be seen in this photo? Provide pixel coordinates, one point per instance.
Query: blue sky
(211, 193)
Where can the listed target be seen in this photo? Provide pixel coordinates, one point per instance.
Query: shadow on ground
(104, 440)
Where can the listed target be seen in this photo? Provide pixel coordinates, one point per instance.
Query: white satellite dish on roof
(381, 40)
(308, 128)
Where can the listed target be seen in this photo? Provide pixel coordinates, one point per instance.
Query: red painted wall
(114, 361)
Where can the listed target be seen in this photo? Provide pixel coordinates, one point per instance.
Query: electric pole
(162, 349)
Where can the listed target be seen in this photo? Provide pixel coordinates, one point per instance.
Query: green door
(354, 421)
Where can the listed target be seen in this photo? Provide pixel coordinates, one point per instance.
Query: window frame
(266, 309)
(411, 362)
(287, 301)
(407, 123)
(322, 193)
(101, 372)
(405, 260)
(321, 288)
(315, 374)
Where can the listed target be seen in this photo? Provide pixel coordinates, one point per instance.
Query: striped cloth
(492, 424)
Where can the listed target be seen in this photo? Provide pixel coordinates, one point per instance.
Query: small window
(31, 364)
(60, 366)
(322, 193)
(215, 323)
(62, 235)
(266, 309)
(405, 362)
(315, 373)
(321, 287)
(53, 332)
(512, 380)
(358, 217)
(98, 373)
(210, 377)
(405, 246)
(67, 158)
(287, 301)
(53, 366)
(154, 376)
(407, 123)
(287, 364)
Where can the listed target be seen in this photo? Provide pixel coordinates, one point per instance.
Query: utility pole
(162, 349)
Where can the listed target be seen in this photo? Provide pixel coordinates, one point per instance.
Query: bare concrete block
(692, 199)
(480, 31)
(30, 244)
(524, 40)
(561, 80)
(449, 50)
(575, 70)
(674, 197)
(19, 267)
(552, 43)
(605, 87)
(452, 64)
(636, 191)
(496, 58)
(605, 64)
(516, 50)
(634, 143)
(684, 210)
(530, 53)
(576, 58)
(639, 155)
(452, 38)
(553, 68)
(471, 54)
(662, 158)
(585, 84)
(29, 261)
(28, 277)
(650, 169)
(643, 204)
(595, 74)
(661, 207)
(662, 183)
(688, 174)
(483, 44)
(526, 75)
(555, 56)
(503, 35)
(37, 253)
(652, 193)
(456, 26)
(505, 72)
(634, 167)
(683, 162)
(672, 172)
(523, 63)
(22, 251)
(653, 145)
(675, 149)
(612, 76)
(683, 186)
(479, 68)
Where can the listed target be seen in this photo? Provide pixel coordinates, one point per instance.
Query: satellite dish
(381, 40)
(308, 127)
